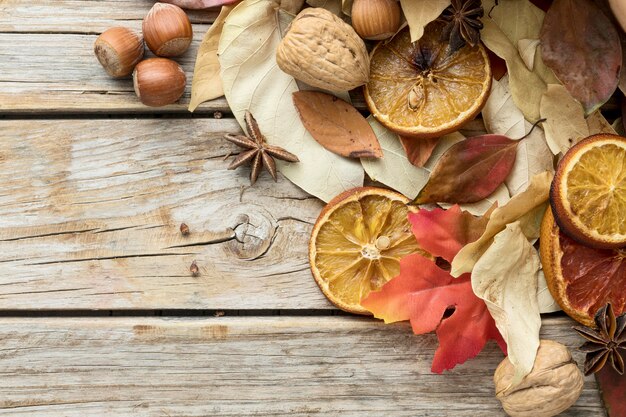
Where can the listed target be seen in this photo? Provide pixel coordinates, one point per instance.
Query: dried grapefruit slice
(357, 243)
(422, 90)
(581, 279)
(588, 194)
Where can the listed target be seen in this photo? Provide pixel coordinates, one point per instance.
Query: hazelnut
(167, 30)
(553, 385)
(159, 81)
(376, 19)
(119, 50)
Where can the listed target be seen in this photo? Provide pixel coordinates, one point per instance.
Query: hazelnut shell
(376, 19)
(159, 81)
(119, 49)
(167, 30)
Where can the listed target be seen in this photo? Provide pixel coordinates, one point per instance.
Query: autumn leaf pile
(553, 69)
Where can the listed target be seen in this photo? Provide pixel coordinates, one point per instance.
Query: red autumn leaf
(336, 125)
(470, 170)
(418, 150)
(444, 232)
(423, 292)
(613, 389)
(581, 45)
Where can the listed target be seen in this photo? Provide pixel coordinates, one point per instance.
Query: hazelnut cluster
(168, 33)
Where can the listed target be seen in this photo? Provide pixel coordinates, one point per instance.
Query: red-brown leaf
(336, 125)
(613, 389)
(582, 46)
(470, 170)
(425, 294)
(418, 150)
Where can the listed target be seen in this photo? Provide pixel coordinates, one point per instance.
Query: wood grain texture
(90, 213)
(280, 366)
(47, 62)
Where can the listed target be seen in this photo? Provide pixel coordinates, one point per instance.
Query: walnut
(323, 51)
(553, 385)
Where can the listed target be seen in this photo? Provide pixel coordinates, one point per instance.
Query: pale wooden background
(93, 188)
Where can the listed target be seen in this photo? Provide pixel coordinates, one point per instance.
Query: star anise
(463, 23)
(605, 341)
(259, 152)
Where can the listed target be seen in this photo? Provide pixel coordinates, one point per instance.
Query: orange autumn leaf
(431, 298)
(418, 151)
(336, 125)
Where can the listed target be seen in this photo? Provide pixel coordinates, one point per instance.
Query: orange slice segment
(581, 279)
(357, 243)
(423, 90)
(588, 194)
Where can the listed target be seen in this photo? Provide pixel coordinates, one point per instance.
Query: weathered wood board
(273, 366)
(90, 212)
(47, 62)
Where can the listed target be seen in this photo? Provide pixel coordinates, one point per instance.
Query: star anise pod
(463, 23)
(259, 152)
(604, 342)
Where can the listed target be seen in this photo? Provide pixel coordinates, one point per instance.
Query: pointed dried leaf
(517, 208)
(419, 150)
(506, 278)
(420, 13)
(565, 123)
(582, 47)
(527, 49)
(423, 292)
(207, 83)
(500, 114)
(346, 7)
(533, 157)
(394, 169)
(336, 125)
(527, 86)
(253, 82)
(470, 170)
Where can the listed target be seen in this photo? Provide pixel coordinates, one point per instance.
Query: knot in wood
(254, 230)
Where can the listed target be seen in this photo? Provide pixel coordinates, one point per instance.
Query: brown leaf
(336, 125)
(470, 170)
(418, 151)
(581, 45)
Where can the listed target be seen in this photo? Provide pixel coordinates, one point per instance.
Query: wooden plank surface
(47, 62)
(273, 366)
(90, 213)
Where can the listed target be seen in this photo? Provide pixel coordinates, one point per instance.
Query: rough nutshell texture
(323, 51)
(554, 384)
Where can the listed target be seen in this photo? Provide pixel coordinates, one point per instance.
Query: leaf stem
(533, 128)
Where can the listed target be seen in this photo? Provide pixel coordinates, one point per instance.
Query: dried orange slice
(581, 279)
(422, 90)
(588, 193)
(357, 243)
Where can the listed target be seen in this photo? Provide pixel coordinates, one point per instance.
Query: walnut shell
(323, 51)
(553, 385)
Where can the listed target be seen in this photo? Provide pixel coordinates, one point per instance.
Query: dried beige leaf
(598, 124)
(533, 157)
(516, 209)
(518, 19)
(505, 277)
(527, 87)
(336, 125)
(394, 169)
(419, 13)
(500, 114)
(565, 123)
(544, 297)
(527, 50)
(252, 81)
(207, 83)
